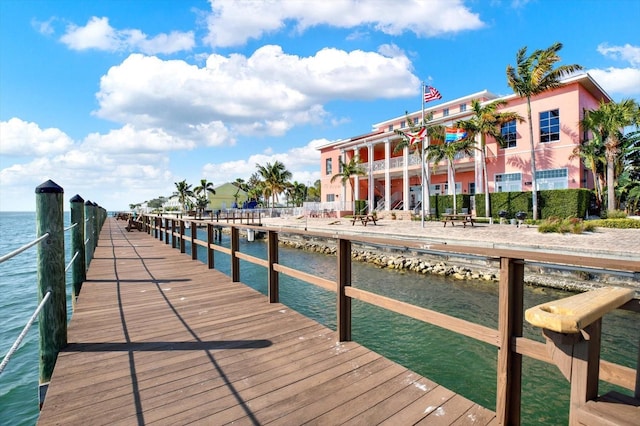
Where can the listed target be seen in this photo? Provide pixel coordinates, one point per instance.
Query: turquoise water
(459, 363)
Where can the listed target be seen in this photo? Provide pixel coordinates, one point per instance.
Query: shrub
(615, 214)
(563, 226)
(616, 223)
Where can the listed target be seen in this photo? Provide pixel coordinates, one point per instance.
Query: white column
(343, 193)
(387, 176)
(405, 178)
(356, 185)
(370, 157)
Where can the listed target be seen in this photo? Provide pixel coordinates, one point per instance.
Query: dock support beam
(78, 269)
(51, 276)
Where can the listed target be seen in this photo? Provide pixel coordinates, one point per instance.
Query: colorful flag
(453, 134)
(431, 94)
(415, 137)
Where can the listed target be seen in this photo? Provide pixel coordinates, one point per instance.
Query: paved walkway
(619, 243)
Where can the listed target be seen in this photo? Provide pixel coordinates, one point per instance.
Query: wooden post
(585, 369)
(78, 269)
(96, 227)
(272, 257)
(173, 234)
(166, 230)
(194, 237)
(343, 305)
(235, 261)
(210, 240)
(183, 245)
(88, 232)
(510, 317)
(52, 321)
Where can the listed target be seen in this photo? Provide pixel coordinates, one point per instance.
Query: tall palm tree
(416, 144)
(183, 191)
(592, 151)
(609, 121)
(533, 75)
(439, 151)
(486, 121)
(347, 170)
(202, 192)
(275, 177)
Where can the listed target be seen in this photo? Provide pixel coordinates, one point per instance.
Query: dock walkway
(158, 338)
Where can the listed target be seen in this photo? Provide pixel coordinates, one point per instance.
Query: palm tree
(275, 177)
(415, 144)
(628, 186)
(533, 75)
(352, 168)
(202, 192)
(486, 121)
(439, 151)
(183, 191)
(608, 122)
(592, 152)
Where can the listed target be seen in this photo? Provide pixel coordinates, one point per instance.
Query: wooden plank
(159, 337)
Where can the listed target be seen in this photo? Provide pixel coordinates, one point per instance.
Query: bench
(364, 218)
(459, 217)
(133, 224)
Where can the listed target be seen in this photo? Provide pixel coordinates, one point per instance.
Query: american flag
(431, 94)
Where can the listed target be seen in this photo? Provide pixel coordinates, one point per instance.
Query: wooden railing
(508, 338)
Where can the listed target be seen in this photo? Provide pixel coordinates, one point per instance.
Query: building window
(508, 132)
(509, 182)
(550, 126)
(552, 179)
(403, 124)
(463, 107)
(445, 112)
(328, 166)
(391, 127)
(331, 197)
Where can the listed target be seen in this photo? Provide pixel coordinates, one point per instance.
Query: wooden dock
(159, 338)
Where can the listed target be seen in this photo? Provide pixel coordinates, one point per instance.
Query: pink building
(393, 178)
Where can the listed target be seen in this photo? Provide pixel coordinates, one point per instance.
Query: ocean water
(461, 364)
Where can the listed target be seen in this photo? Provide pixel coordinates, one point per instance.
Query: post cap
(76, 199)
(49, 187)
(88, 203)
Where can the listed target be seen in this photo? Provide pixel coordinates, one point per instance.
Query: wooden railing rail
(508, 338)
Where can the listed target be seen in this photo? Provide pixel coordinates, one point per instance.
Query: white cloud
(627, 53)
(233, 22)
(99, 34)
(21, 138)
(266, 93)
(302, 162)
(623, 81)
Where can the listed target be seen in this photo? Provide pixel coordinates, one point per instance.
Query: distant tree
(347, 170)
(202, 192)
(275, 176)
(486, 121)
(592, 153)
(533, 75)
(183, 191)
(313, 192)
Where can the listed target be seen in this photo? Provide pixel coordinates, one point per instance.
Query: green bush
(551, 203)
(615, 214)
(564, 226)
(616, 223)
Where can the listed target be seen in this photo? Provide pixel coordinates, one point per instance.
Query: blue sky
(117, 100)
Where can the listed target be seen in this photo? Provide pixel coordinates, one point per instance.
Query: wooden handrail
(508, 338)
(572, 314)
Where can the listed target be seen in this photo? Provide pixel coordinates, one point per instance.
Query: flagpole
(422, 159)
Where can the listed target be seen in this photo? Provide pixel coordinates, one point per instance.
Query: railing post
(272, 256)
(51, 277)
(194, 237)
(182, 242)
(343, 305)
(210, 241)
(510, 317)
(166, 230)
(96, 227)
(173, 234)
(78, 269)
(235, 261)
(88, 232)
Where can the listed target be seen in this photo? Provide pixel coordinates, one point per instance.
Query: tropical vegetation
(532, 75)
(347, 170)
